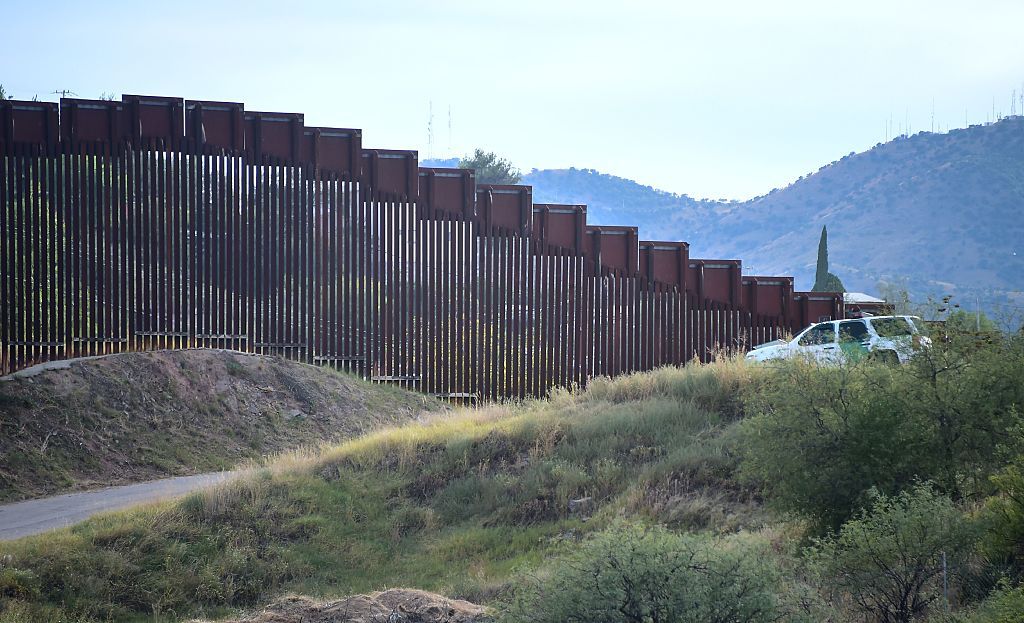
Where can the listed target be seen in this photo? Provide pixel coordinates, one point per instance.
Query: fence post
(945, 582)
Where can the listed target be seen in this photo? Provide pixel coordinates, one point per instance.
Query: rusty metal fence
(159, 223)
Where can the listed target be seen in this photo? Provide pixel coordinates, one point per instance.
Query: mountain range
(934, 214)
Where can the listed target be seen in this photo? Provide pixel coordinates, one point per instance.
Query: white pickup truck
(888, 338)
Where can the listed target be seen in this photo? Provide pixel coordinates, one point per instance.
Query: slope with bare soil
(134, 417)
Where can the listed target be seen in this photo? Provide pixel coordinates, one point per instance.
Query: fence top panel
(508, 206)
(391, 174)
(561, 225)
(92, 121)
(148, 117)
(447, 193)
(813, 307)
(767, 295)
(336, 151)
(717, 280)
(614, 247)
(273, 135)
(665, 262)
(32, 123)
(217, 125)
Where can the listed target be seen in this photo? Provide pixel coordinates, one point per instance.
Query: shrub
(1004, 514)
(1004, 605)
(820, 438)
(633, 573)
(889, 560)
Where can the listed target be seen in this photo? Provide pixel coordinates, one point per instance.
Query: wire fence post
(945, 582)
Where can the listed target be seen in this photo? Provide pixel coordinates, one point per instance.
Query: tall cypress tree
(821, 273)
(825, 281)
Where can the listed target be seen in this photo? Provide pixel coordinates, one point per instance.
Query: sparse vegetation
(639, 574)
(889, 560)
(146, 415)
(538, 508)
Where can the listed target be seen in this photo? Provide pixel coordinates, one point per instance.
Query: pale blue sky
(714, 99)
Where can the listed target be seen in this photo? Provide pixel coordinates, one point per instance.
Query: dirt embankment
(396, 605)
(134, 417)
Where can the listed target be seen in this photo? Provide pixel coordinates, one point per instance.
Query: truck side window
(892, 327)
(853, 331)
(821, 334)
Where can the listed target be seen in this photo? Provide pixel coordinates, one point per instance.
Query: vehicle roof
(815, 324)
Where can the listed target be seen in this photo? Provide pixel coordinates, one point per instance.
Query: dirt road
(35, 516)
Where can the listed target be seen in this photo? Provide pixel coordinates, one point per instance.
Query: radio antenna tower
(430, 131)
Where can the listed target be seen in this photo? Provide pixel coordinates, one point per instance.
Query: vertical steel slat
(458, 357)
(570, 318)
(278, 258)
(45, 262)
(555, 264)
(406, 316)
(430, 305)
(22, 335)
(356, 206)
(513, 352)
(7, 309)
(373, 284)
(240, 253)
(95, 255)
(158, 228)
(216, 241)
(121, 238)
(259, 190)
(109, 335)
(32, 251)
(285, 247)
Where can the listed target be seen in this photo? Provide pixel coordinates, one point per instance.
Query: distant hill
(933, 213)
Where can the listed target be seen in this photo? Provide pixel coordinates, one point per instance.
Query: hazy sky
(713, 99)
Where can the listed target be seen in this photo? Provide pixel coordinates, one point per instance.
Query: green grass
(454, 505)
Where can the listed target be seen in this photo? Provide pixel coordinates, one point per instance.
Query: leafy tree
(3, 94)
(490, 169)
(963, 321)
(825, 281)
(639, 574)
(889, 560)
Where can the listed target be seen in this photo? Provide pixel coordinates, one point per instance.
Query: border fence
(163, 223)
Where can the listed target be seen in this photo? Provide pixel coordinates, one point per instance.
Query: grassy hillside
(135, 417)
(455, 505)
(938, 210)
(793, 492)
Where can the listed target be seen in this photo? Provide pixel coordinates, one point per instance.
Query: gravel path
(34, 516)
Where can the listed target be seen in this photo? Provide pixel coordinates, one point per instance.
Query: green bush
(889, 560)
(633, 573)
(819, 438)
(1004, 605)
(1004, 515)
